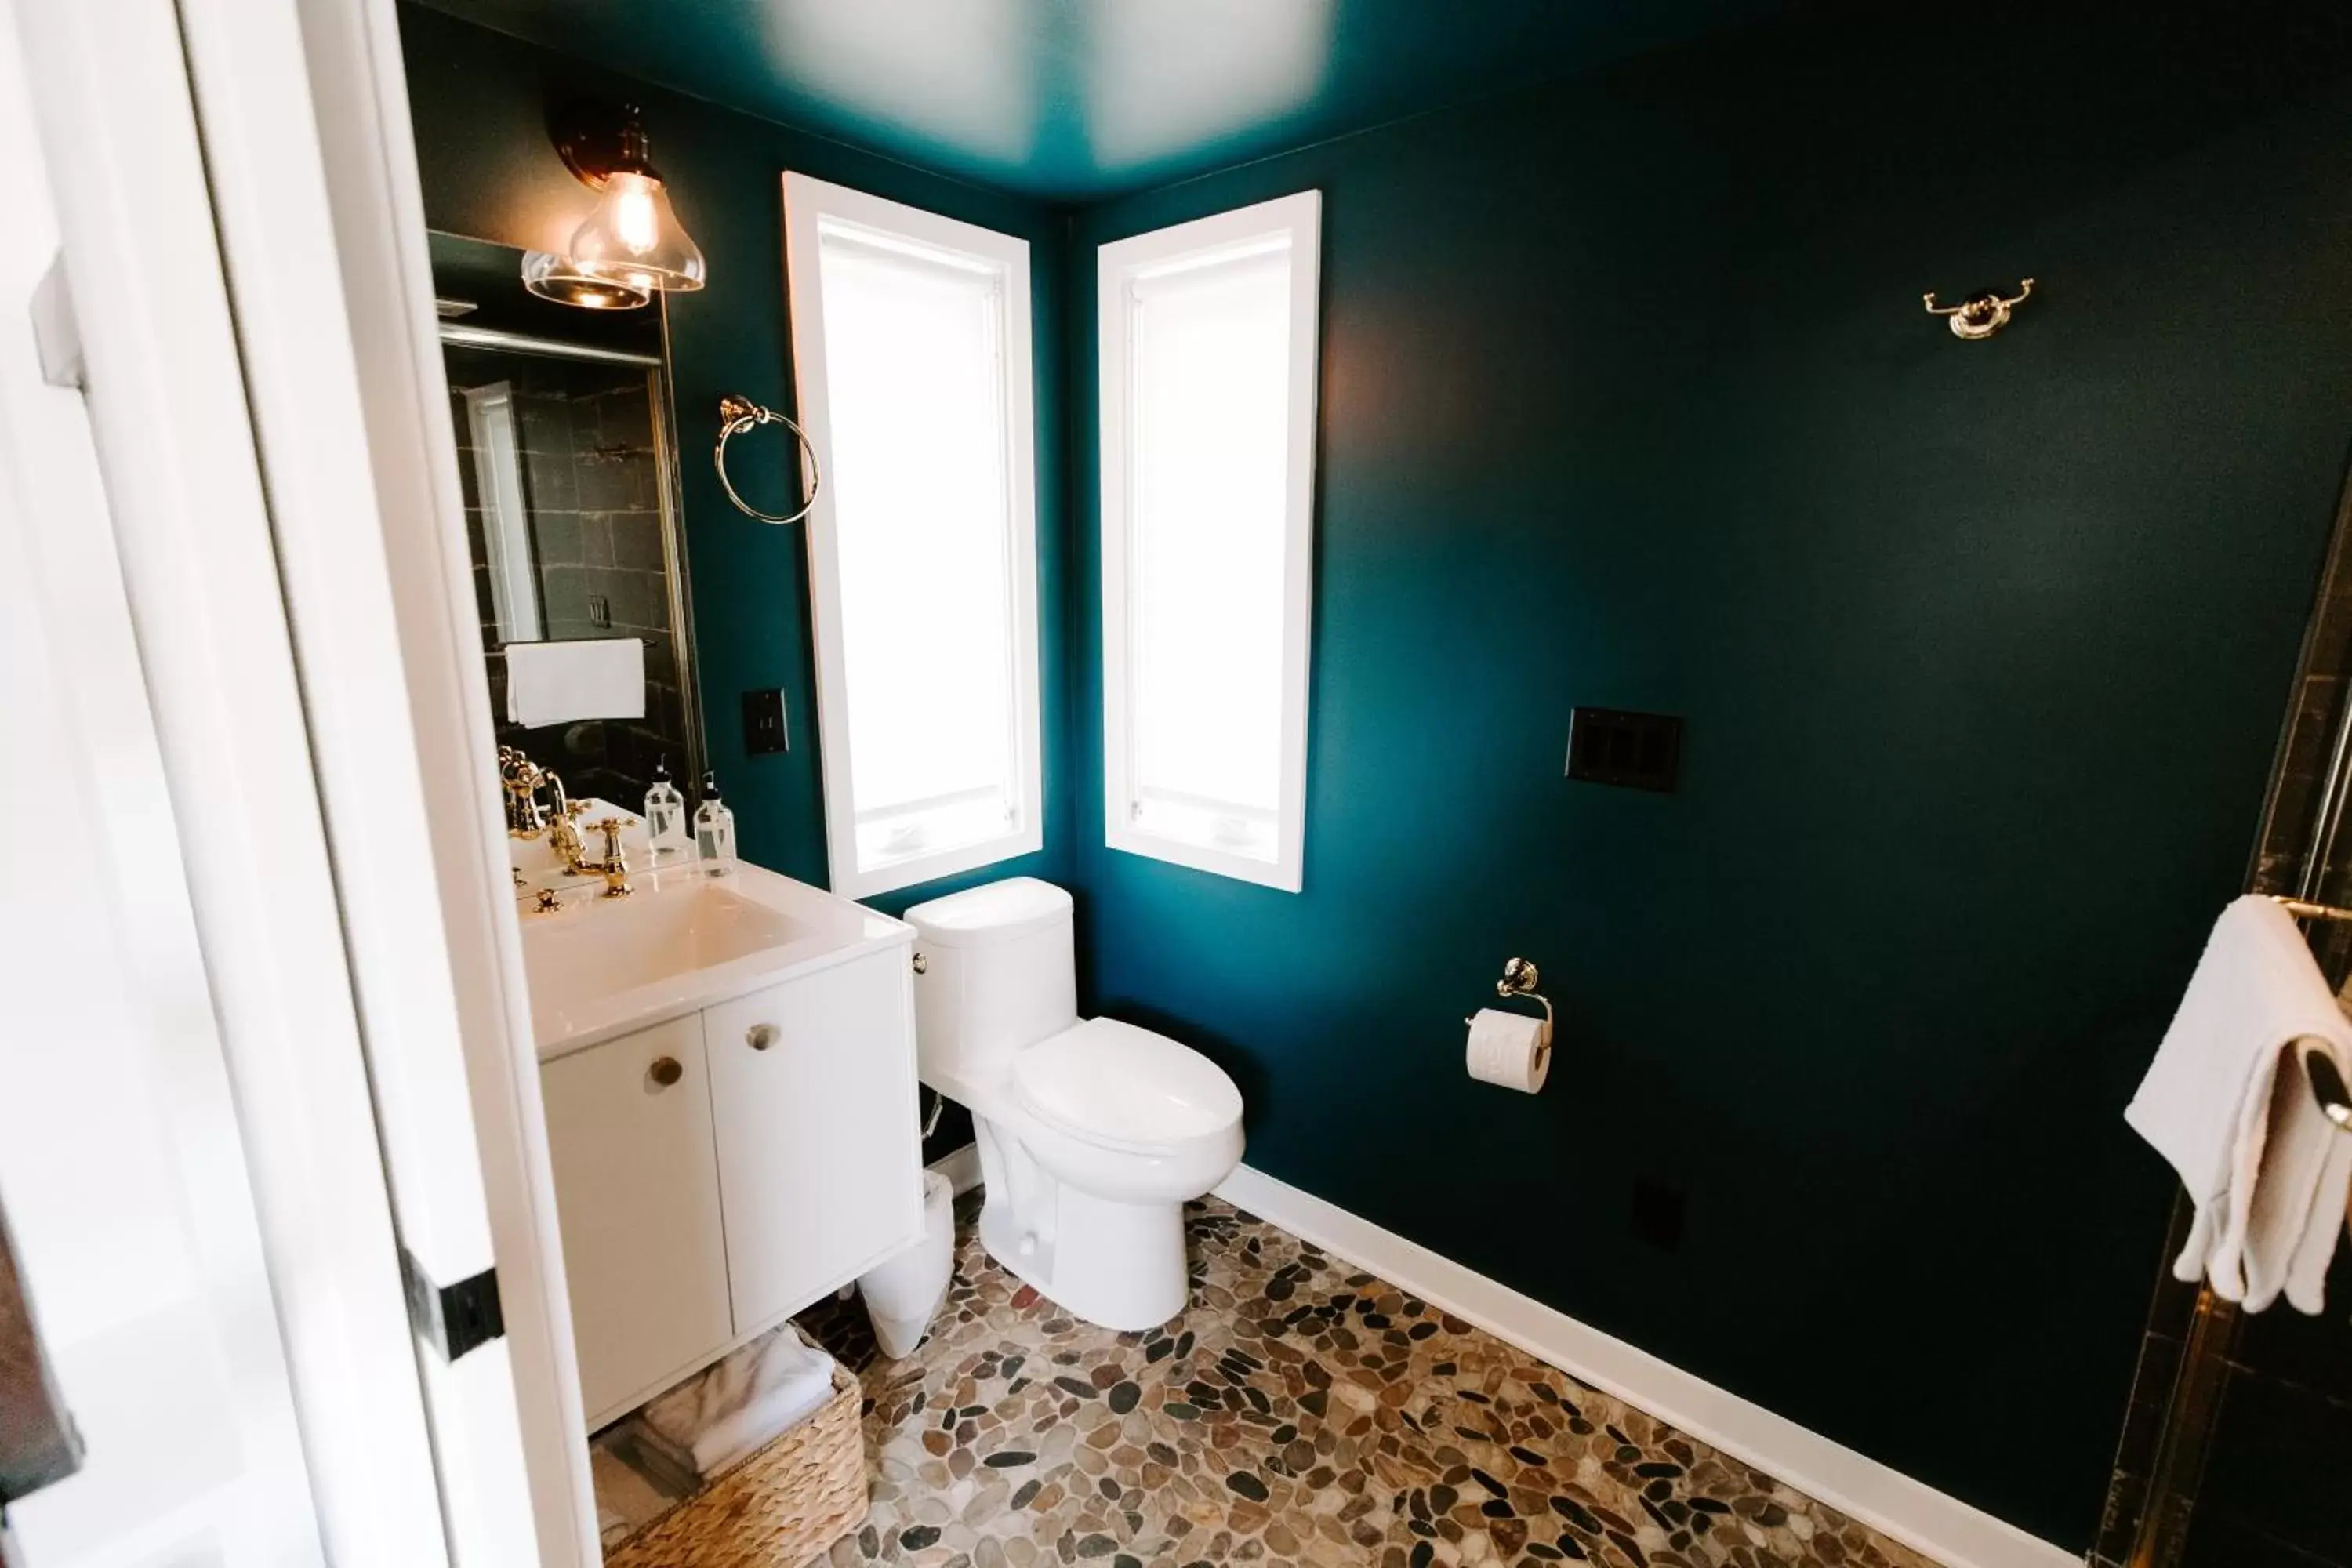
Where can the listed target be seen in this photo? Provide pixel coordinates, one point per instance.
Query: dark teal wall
(478, 101)
(1628, 399)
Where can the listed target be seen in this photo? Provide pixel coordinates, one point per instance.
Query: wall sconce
(632, 247)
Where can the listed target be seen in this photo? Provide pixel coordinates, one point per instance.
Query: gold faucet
(616, 859)
(523, 782)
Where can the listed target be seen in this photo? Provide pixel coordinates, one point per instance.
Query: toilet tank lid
(992, 913)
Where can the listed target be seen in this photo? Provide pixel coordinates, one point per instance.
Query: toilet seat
(1118, 1086)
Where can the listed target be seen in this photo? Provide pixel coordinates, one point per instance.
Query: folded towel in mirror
(562, 682)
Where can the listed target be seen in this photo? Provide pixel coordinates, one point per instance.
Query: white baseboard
(1917, 1515)
(961, 1167)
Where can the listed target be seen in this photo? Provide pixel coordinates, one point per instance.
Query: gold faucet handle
(616, 865)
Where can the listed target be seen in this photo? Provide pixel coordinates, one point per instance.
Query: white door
(122, 1168)
(242, 491)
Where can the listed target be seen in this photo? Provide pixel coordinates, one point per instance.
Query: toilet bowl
(1093, 1133)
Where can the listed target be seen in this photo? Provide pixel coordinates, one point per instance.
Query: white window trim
(806, 203)
(1300, 216)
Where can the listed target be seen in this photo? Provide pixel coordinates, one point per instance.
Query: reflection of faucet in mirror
(522, 781)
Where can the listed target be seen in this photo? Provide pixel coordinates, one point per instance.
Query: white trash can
(902, 1295)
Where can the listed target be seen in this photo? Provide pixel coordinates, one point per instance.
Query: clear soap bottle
(714, 829)
(666, 819)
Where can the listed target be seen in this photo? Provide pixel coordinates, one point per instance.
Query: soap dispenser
(665, 818)
(714, 829)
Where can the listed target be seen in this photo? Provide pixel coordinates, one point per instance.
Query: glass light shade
(634, 237)
(553, 277)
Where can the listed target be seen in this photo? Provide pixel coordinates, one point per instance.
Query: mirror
(565, 454)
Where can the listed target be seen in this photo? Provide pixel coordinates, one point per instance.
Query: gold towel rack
(2326, 1082)
(738, 413)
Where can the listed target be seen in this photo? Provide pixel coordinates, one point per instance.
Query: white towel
(762, 1390)
(559, 682)
(2228, 1103)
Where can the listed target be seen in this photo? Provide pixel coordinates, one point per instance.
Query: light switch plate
(763, 722)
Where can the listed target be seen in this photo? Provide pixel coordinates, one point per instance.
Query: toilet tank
(995, 975)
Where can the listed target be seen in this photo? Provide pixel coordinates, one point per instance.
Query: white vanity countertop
(683, 941)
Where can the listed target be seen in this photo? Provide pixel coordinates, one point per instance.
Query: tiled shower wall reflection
(591, 474)
(2272, 1493)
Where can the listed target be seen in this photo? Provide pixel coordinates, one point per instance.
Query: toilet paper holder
(1520, 978)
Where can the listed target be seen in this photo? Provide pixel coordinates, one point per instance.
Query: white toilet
(1093, 1134)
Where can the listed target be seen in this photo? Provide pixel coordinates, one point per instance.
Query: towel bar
(2327, 1084)
(501, 652)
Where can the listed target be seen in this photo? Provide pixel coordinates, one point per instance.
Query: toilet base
(1119, 1266)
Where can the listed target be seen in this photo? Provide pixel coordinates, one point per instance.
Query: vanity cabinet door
(637, 1194)
(812, 1088)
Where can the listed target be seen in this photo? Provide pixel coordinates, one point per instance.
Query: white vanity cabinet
(636, 1186)
(778, 1161)
(814, 1159)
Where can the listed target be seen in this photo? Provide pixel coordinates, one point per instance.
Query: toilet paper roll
(1511, 1049)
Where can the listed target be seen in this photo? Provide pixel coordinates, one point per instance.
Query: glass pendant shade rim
(634, 238)
(555, 277)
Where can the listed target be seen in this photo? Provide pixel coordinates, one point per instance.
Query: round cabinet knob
(666, 1071)
(922, 964)
(759, 1037)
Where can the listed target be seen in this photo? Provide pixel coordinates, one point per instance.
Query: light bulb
(634, 237)
(635, 223)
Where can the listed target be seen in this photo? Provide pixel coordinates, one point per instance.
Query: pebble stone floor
(1300, 1411)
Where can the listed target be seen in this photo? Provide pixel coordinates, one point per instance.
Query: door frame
(320, 207)
(266, 395)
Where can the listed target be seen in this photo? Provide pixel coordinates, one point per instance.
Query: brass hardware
(615, 864)
(759, 1037)
(565, 835)
(597, 139)
(1520, 978)
(548, 902)
(1980, 315)
(737, 415)
(666, 1071)
(2305, 910)
(922, 964)
(520, 781)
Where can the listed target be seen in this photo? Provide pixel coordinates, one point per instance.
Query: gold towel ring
(737, 415)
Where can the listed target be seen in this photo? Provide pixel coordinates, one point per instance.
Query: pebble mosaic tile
(1300, 1411)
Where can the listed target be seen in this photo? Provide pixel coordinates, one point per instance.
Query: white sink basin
(620, 944)
(682, 941)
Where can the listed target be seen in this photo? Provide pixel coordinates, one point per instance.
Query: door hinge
(452, 1319)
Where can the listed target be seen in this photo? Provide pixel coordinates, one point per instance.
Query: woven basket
(781, 1508)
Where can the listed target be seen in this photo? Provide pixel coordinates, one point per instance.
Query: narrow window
(911, 336)
(1208, 473)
